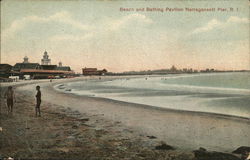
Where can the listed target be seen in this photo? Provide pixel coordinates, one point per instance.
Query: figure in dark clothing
(10, 97)
(38, 101)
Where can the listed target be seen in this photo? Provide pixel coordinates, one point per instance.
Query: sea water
(221, 93)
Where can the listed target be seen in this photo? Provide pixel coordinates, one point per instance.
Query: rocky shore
(63, 133)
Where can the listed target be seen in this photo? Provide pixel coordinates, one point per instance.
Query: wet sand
(73, 126)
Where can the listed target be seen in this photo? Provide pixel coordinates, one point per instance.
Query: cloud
(60, 17)
(68, 37)
(65, 17)
(215, 24)
(234, 19)
(126, 20)
(102, 28)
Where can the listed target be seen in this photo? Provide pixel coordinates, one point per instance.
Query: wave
(155, 91)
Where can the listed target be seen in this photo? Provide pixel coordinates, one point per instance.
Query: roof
(45, 71)
(5, 67)
(19, 66)
(89, 69)
(49, 67)
(64, 68)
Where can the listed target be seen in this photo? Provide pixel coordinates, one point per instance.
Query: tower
(45, 60)
(25, 59)
(60, 64)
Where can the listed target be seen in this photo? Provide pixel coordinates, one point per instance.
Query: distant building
(173, 69)
(184, 70)
(208, 70)
(93, 71)
(45, 60)
(18, 66)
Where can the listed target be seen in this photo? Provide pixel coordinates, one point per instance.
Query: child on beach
(38, 100)
(10, 98)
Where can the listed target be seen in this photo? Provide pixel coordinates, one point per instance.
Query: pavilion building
(43, 71)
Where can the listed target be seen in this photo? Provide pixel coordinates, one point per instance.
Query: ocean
(220, 93)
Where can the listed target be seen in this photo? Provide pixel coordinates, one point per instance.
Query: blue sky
(97, 34)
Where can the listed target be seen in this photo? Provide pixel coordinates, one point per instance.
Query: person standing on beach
(38, 100)
(10, 98)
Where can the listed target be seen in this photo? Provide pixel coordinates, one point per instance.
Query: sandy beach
(77, 127)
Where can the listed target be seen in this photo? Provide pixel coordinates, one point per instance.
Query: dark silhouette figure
(10, 97)
(38, 101)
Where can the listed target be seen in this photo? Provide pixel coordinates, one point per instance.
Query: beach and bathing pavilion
(36, 70)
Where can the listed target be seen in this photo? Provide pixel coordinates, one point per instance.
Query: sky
(101, 34)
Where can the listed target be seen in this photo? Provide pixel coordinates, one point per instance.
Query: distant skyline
(100, 34)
